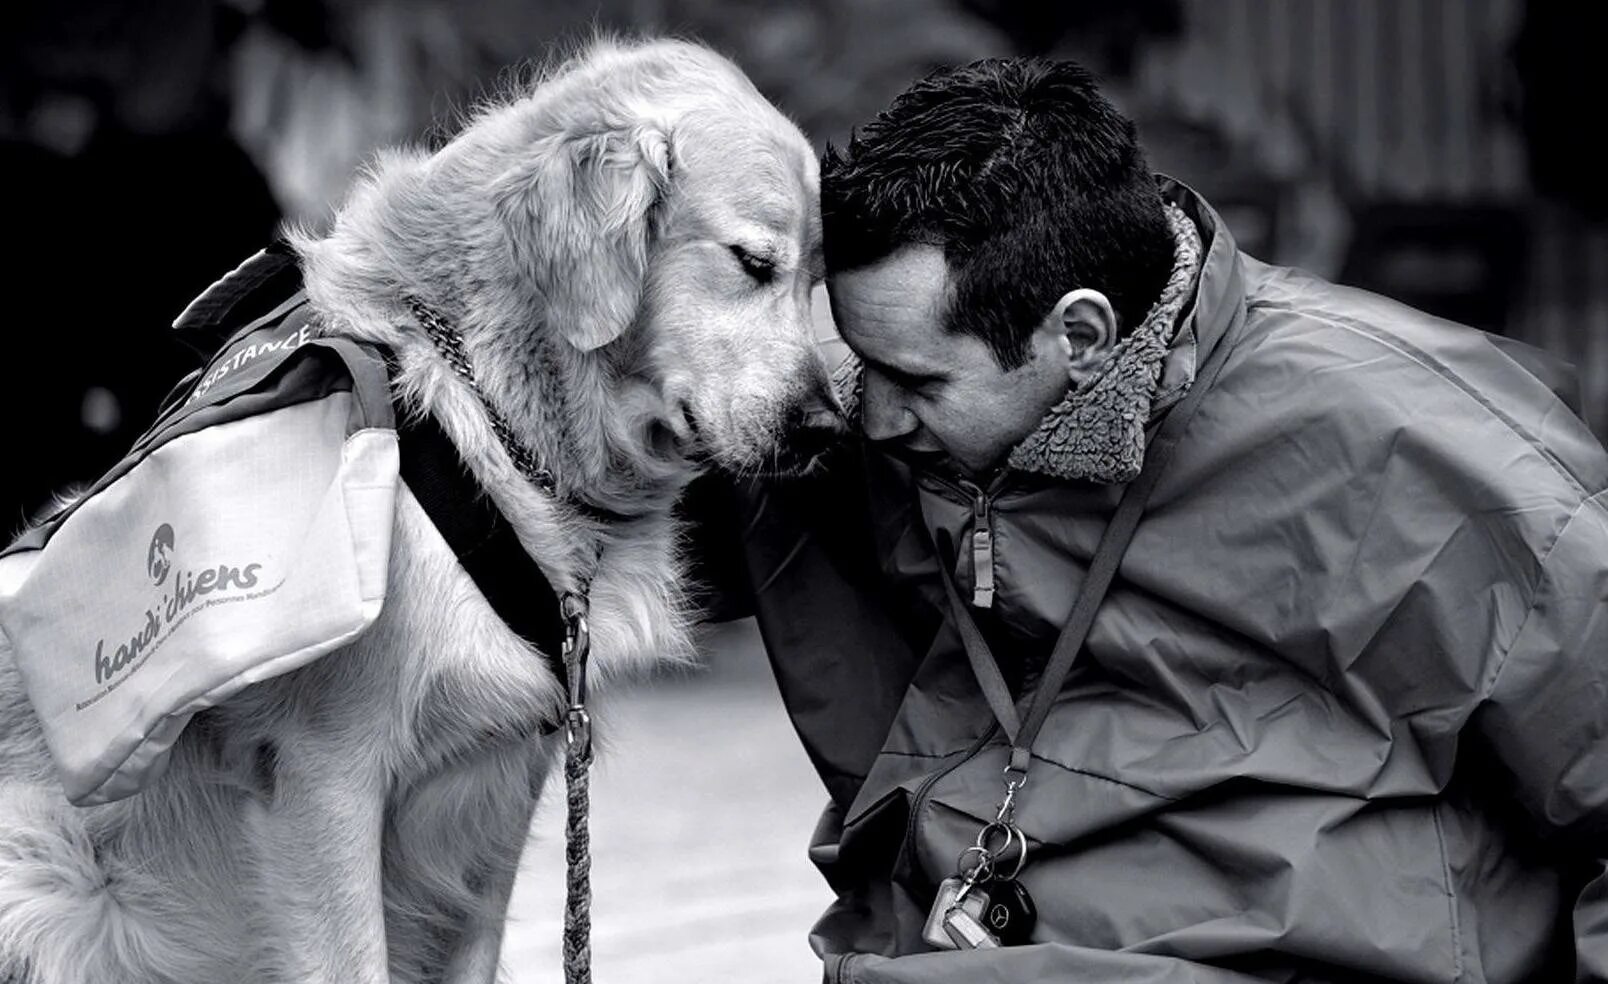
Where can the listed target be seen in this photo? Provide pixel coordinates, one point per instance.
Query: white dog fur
(628, 249)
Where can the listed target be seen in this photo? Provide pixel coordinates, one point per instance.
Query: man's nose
(882, 413)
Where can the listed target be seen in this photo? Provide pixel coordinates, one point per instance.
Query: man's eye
(908, 381)
(761, 268)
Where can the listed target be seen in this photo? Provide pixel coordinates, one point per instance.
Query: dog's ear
(581, 223)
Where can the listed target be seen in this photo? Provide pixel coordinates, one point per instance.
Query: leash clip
(577, 647)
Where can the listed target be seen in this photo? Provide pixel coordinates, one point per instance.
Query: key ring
(1001, 826)
(1021, 857)
(982, 871)
(1013, 834)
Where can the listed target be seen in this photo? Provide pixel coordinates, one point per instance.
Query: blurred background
(1432, 150)
(1429, 149)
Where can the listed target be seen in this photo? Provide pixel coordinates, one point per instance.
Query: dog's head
(660, 219)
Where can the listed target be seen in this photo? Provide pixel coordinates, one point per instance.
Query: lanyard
(1022, 720)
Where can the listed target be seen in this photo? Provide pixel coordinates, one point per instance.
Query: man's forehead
(896, 301)
(914, 269)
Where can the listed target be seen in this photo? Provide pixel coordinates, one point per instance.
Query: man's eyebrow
(891, 370)
(907, 375)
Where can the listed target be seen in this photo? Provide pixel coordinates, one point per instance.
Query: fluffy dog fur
(628, 250)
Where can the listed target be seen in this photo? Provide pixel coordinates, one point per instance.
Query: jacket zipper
(982, 581)
(982, 548)
(982, 536)
(913, 825)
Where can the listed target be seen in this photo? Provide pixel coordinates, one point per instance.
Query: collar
(1097, 433)
(480, 536)
(450, 345)
(1219, 294)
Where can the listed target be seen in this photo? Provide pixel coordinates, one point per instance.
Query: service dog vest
(245, 534)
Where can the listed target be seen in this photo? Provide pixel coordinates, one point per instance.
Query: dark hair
(1028, 178)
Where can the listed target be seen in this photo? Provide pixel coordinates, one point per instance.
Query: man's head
(989, 237)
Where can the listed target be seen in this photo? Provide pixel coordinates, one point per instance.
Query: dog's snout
(824, 421)
(814, 426)
(817, 416)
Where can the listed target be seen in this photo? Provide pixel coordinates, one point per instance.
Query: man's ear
(1084, 327)
(580, 222)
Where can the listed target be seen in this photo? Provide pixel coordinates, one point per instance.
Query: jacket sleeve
(1038, 962)
(712, 549)
(1545, 716)
(721, 515)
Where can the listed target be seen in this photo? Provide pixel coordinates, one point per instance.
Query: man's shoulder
(1391, 368)
(1314, 305)
(1295, 299)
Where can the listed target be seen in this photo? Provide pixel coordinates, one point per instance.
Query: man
(1342, 714)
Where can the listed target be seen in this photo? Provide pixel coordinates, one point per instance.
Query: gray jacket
(1343, 715)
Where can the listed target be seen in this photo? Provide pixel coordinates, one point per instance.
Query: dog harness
(245, 534)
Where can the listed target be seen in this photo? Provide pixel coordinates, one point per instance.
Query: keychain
(976, 908)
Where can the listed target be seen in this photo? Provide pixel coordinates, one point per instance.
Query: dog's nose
(825, 421)
(815, 425)
(818, 413)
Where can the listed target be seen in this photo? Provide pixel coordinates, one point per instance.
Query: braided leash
(577, 647)
(577, 781)
(578, 857)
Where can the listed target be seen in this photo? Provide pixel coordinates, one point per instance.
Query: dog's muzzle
(811, 429)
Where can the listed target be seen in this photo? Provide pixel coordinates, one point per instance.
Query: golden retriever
(628, 249)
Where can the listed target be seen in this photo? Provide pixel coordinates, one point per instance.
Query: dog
(628, 250)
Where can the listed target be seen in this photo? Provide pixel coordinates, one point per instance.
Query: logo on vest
(159, 558)
(190, 591)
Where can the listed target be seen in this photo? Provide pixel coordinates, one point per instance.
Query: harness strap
(483, 540)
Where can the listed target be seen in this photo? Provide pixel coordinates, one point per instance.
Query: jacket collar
(1097, 433)
(1219, 297)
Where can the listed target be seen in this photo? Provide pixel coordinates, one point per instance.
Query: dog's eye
(761, 268)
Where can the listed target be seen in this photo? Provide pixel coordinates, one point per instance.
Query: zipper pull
(982, 551)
